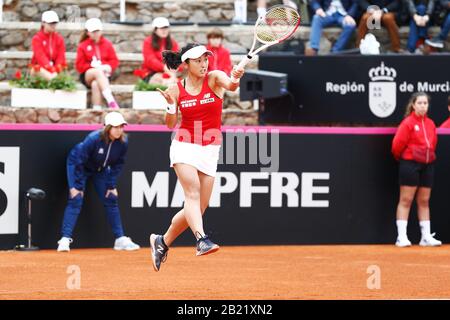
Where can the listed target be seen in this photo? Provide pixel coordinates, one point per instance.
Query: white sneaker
(125, 243)
(64, 244)
(403, 242)
(430, 241)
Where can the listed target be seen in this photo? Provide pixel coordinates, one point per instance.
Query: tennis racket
(277, 25)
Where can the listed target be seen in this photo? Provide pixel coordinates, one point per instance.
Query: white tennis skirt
(203, 158)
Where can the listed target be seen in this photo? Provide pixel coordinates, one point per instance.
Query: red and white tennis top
(201, 116)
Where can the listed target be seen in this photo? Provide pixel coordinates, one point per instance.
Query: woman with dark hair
(101, 157)
(414, 147)
(194, 152)
(96, 61)
(221, 58)
(154, 70)
(49, 50)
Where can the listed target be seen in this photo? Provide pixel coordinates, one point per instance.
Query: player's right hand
(237, 73)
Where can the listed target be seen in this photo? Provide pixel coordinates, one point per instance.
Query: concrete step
(11, 61)
(109, 10)
(16, 36)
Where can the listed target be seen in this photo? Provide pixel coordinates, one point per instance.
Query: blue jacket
(351, 6)
(94, 155)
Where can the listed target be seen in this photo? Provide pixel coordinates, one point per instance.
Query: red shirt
(415, 134)
(221, 60)
(153, 60)
(200, 113)
(446, 124)
(103, 50)
(49, 50)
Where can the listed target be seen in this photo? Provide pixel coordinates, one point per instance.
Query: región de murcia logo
(382, 91)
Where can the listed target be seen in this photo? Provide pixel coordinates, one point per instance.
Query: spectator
(155, 71)
(262, 5)
(332, 12)
(49, 50)
(383, 11)
(240, 8)
(240, 11)
(96, 61)
(446, 124)
(438, 42)
(221, 59)
(414, 147)
(101, 157)
(420, 12)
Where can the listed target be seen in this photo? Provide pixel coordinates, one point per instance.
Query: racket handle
(241, 65)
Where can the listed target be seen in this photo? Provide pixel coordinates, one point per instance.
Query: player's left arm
(224, 81)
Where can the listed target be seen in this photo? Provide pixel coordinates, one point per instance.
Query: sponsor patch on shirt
(188, 103)
(204, 101)
(101, 151)
(416, 127)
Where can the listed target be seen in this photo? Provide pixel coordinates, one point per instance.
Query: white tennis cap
(114, 119)
(160, 22)
(93, 24)
(50, 17)
(195, 52)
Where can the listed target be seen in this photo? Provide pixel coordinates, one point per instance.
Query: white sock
(107, 94)
(425, 228)
(401, 228)
(97, 107)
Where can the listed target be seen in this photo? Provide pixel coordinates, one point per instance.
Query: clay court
(262, 272)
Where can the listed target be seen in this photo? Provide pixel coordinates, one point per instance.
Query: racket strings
(278, 23)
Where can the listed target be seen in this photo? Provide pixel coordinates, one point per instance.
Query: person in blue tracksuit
(101, 157)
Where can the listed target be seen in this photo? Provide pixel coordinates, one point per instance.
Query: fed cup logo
(382, 91)
(9, 190)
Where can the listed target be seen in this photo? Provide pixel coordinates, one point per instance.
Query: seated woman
(420, 12)
(220, 59)
(96, 61)
(155, 71)
(49, 50)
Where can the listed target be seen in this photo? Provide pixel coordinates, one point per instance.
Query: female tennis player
(414, 147)
(194, 151)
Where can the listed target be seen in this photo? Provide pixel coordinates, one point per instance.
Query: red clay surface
(262, 272)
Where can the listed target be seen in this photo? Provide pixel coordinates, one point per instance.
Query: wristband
(171, 108)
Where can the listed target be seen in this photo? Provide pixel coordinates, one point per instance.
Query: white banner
(9, 190)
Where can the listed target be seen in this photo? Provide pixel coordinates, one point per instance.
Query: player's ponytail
(173, 59)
